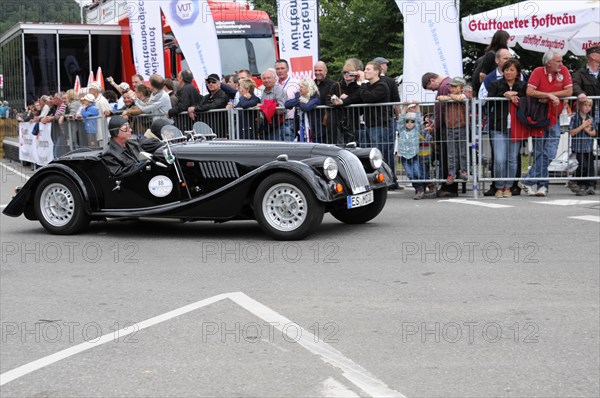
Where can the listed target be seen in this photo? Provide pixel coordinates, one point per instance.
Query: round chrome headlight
(330, 168)
(376, 158)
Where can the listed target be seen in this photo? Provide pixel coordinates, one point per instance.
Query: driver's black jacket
(123, 161)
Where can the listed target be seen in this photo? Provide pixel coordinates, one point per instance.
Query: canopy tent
(540, 25)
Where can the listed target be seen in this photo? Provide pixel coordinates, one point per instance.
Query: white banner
(299, 35)
(38, 149)
(193, 26)
(145, 24)
(26, 142)
(540, 25)
(43, 146)
(431, 44)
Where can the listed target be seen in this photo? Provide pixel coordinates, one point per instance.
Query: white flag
(145, 24)
(194, 28)
(299, 35)
(431, 44)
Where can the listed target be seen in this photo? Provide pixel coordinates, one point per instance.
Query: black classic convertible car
(286, 187)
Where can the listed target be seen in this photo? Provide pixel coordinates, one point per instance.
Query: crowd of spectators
(281, 107)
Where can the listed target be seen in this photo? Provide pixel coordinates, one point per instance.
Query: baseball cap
(213, 77)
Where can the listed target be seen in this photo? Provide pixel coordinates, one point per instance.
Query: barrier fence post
(475, 137)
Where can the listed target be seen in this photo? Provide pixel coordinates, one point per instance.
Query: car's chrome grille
(355, 171)
(219, 170)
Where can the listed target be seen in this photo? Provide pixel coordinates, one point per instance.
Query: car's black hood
(254, 151)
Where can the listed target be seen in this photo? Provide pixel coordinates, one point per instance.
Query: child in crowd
(456, 131)
(582, 143)
(246, 100)
(425, 152)
(90, 115)
(407, 145)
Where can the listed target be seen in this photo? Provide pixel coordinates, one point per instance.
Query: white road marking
(476, 203)
(351, 371)
(15, 171)
(587, 218)
(568, 202)
(334, 389)
(11, 375)
(356, 374)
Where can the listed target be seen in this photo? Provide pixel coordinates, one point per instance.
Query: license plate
(360, 200)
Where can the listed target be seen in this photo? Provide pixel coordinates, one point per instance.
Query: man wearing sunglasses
(215, 99)
(122, 154)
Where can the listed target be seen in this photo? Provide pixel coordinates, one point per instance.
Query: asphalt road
(432, 299)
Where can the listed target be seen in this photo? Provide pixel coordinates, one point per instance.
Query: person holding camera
(345, 122)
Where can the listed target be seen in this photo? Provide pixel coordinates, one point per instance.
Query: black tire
(364, 214)
(286, 207)
(59, 207)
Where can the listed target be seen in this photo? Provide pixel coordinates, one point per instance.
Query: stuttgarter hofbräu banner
(540, 25)
(431, 44)
(299, 35)
(146, 37)
(193, 26)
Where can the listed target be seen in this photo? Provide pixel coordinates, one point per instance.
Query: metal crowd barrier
(466, 147)
(549, 157)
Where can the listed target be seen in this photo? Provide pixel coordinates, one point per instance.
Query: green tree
(14, 11)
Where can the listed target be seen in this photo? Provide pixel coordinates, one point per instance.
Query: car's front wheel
(363, 214)
(286, 208)
(59, 206)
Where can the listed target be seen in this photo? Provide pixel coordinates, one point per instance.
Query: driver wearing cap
(122, 155)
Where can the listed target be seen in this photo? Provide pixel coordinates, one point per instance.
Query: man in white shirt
(290, 87)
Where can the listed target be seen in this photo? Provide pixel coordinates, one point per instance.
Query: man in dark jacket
(391, 83)
(586, 81)
(325, 85)
(377, 119)
(122, 155)
(215, 99)
(187, 96)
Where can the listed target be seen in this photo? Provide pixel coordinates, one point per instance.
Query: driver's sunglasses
(409, 121)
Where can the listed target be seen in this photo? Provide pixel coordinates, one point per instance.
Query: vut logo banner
(184, 11)
(193, 26)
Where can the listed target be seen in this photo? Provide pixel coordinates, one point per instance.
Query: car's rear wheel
(286, 208)
(59, 207)
(363, 214)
